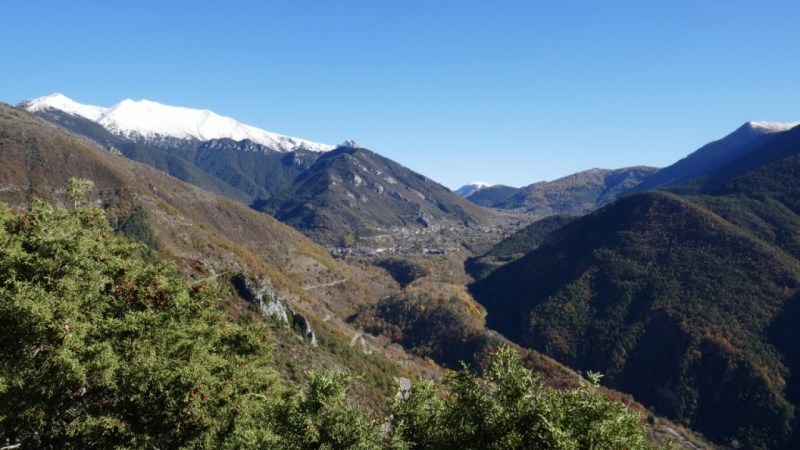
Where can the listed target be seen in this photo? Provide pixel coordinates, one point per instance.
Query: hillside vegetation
(515, 246)
(103, 348)
(208, 235)
(687, 303)
(351, 192)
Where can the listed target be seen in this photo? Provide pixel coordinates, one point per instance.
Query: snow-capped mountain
(148, 120)
(771, 127)
(714, 155)
(471, 188)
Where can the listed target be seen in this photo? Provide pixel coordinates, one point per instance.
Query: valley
(369, 225)
(359, 263)
(436, 239)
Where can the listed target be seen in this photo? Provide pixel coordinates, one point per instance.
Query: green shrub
(101, 348)
(511, 409)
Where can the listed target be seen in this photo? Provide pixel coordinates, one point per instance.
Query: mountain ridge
(149, 120)
(471, 188)
(714, 155)
(353, 192)
(687, 302)
(302, 187)
(577, 193)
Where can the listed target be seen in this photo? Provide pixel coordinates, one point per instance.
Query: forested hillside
(684, 302)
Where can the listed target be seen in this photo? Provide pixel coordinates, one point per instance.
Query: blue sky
(508, 92)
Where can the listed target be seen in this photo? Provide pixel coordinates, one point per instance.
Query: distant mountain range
(715, 155)
(574, 194)
(149, 121)
(334, 196)
(684, 296)
(689, 302)
(588, 190)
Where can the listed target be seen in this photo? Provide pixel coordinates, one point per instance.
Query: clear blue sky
(502, 91)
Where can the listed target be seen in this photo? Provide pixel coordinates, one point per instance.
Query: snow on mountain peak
(147, 119)
(471, 188)
(63, 103)
(351, 143)
(772, 127)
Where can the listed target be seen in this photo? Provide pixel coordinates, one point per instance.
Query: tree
(78, 189)
(101, 348)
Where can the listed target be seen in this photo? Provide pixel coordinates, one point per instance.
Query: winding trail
(317, 286)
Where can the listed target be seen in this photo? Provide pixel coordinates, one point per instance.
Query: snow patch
(63, 103)
(145, 119)
(471, 188)
(772, 127)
